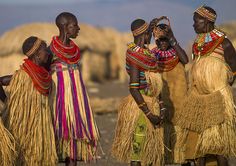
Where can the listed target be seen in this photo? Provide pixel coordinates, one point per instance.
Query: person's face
(72, 28)
(42, 55)
(199, 24)
(163, 44)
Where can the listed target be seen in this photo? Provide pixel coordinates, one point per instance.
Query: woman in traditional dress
(139, 138)
(75, 128)
(27, 114)
(208, 112)
(171, 59)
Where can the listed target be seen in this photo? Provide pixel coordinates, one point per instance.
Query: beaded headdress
(202, 11)
(34, 48)
(140, 30)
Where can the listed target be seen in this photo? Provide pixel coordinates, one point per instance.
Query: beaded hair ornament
(158, 32)
(140, 30)
(202, 11)
(34, 48)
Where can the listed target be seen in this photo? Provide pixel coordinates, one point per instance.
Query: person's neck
(139, 42)
(64, 39)
(210, 28)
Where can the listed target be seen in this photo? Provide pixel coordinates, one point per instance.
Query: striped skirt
(75, 128)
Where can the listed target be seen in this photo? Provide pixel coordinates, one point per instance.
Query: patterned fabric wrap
(74, 124)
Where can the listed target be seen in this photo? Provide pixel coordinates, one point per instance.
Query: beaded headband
(140, 30)
(202, 11)
(34, 48)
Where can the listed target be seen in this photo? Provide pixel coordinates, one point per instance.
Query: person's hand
(155, 21)
(169, 32)
(5, 80)
(163, 113)
(154, 119)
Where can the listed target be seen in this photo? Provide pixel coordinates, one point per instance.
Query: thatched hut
(103, 49)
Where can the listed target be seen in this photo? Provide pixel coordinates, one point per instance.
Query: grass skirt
(28, 118)
(213, 110)
(76, 131)
(128, 115)
(7, 143)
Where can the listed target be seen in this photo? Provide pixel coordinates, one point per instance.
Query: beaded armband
(134, 85)
(142, 104)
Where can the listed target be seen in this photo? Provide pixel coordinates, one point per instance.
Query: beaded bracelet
(147, 113)
(134, 85)
(161, 102)
(162, 109)
(142, 104)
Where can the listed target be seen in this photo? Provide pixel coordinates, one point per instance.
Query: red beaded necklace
(39, 75)
(69, 54)
(166, 60)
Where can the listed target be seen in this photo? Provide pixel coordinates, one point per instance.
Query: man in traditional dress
(139, 138)
(27, 114)
(75, 128)
(171, 59)
(208, 113)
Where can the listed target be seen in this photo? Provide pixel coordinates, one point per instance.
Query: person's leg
(201, 161)
(221, 160)
(67, 161)
(135, 163)
(73, 162)
(186, 164)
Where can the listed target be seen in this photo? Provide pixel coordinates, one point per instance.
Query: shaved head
(63, 19)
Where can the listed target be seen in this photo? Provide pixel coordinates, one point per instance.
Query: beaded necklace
(138, 49)
(166, 60)
(39, 75)
(164, 55)
(142, 58)
(205, 43)
(68, 54)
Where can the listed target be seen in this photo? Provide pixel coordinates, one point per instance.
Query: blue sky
(113, 13)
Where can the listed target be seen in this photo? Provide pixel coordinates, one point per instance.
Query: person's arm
(2, 94)
(5, 80)
(134, 81)
(230, 55)
(174, 43)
